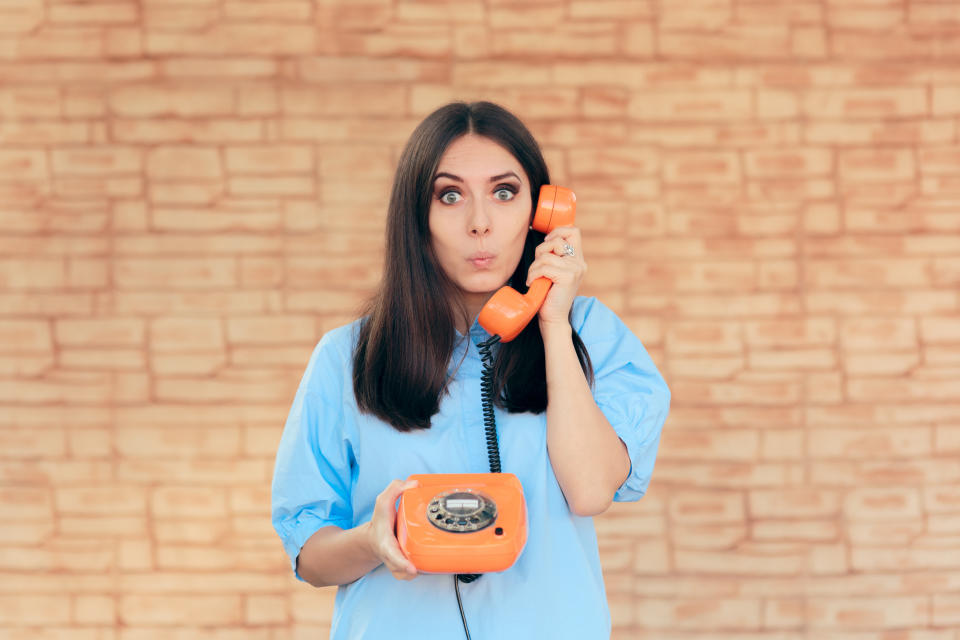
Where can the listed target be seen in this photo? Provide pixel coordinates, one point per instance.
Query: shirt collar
(477, 333)
(464, 358)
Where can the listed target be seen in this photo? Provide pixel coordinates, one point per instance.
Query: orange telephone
(463, 522)
(471, 523)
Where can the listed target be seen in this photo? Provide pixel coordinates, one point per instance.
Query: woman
(397, 392)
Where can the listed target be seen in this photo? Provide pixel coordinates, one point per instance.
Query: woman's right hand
(381, 531)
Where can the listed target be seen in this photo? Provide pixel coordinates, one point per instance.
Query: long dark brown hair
(407, 333)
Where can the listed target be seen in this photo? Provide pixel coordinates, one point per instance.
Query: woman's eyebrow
(444, 174)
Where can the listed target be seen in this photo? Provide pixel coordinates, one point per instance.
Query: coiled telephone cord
(493, 447)
(486, 397)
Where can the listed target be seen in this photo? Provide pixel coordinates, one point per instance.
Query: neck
(474, 303)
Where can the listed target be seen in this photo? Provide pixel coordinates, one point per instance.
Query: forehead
(476, 154)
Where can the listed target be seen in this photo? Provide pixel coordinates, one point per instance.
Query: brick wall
(192, 192)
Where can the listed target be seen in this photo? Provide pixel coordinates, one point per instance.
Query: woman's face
(479, 216)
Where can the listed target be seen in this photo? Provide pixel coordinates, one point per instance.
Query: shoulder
(332, 357)
(343, 338)
(594, 320)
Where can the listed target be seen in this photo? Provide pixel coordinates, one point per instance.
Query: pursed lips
(481, 259)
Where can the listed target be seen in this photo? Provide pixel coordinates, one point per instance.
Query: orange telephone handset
(507, 312)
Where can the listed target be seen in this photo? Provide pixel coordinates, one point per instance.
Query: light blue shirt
(333, 462)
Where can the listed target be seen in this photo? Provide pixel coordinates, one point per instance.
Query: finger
(390, 495)
(563, 263)
(399, 563)
(560, 241)
(566, 231)
(389, 551)
(403, 575)
(405, 486)
(554, 274)
(556, 264)
(562, 267)
(560, 246)
(391, 491)
(555, 245)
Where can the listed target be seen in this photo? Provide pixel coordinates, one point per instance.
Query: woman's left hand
(552, 260)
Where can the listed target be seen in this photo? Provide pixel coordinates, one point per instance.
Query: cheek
(519, 229)
(436, 229)
(440, 235)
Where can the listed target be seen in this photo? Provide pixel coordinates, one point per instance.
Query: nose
(478, 222)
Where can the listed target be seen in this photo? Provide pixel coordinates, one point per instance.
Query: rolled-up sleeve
(312, 473)
(629, 390)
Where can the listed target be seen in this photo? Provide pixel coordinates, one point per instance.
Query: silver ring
(568, 249)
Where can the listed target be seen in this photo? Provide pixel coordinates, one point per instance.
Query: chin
(488, 283)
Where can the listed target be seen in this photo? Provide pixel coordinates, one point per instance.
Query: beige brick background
(192, 192)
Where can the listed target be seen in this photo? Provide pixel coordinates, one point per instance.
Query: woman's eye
(450, 197)
(503, 194)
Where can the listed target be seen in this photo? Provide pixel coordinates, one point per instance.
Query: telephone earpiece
(507, 312)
